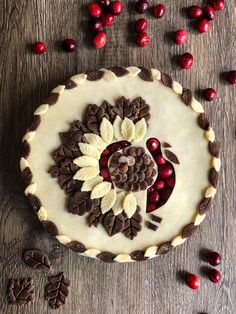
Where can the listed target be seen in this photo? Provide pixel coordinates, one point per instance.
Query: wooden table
(150, 287)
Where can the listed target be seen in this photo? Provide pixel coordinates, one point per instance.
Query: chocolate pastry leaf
(187, 96)
(171, 156)
(37, 259)
(113, 224)
(119, 71)
(125, 109)
(145, 74)
(95, 217)
(20, 291)
(141, 109)
(133, 225)
(203, 121)
(57, 290)
(109, 110)
(93, 117)
(81, 203)
(166, 80)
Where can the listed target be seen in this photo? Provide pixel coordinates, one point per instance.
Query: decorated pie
(120, 164)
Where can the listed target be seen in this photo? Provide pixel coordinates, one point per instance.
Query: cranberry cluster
(142, 6)
(160, 191)
(103, 14)
(214, 259)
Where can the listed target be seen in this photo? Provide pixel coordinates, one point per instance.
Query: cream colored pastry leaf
(63, 239)
(95, 140)
(79, 78)
(130, 205)
(108, 201)
(110, 76)
(90, 184)
(123, 258)
(106, 131)
(41, 110)
(23, 164)
(86, 161)
(133, 71)
(196, 106)
(127, 129)
(86, 173)
(140, 130)
(89, 150)
(100, 190)
(117, 128)
(118, 206)
(42, 214)
(156, 74)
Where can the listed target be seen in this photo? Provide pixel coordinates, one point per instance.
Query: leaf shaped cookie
(118, 206)
(108, 201)
(89, 150)
(86, 161)
(86, 173)
(106, 131)
(129, 205)
(95, 141)
(90, 184)
(100, 190)
(127, 129)
(140, 130)
(117, 128)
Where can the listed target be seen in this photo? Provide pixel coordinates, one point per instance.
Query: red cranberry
(39, 48)
(209, 94)
(104, 173)
(141, 25)
(104, 3)
(69, 45)
(170, 182)
(116, 7)
(214, 258)
(218, 5)
(142, 6)
(153, 144)
(194, 12)
(159, 10)
(193, 281)
(181, 36)
(100, 40)
(160, 160)
(107, 19)
(165, 194)
(106, 152)
(94, 9)
(231, 76)
(151, 189)
(186, 60)
(155, 197)
(159, 185)
(95, 25)
(104, 161)
(203, 25)
(214, 275)
(142, 39)
(151, 207)
(165, 171)
(208, 13)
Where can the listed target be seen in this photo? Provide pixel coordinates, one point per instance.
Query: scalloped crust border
(112, 74)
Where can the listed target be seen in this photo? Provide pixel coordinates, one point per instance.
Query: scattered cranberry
(170, 182)
(142, 39)
(231, 76)
(142, 6)
(165, 171)
(186, 60)
(104, 161)
(159, 185)
(69, 45)
(151, 207)
(159, 10)
(181, 36)
(214, 275)
(209, 94)
(155, 197)
(165, 194)
(100, 40)
(104, 3)
(104, 173)
(107, 19)
(193, 281)
(208, 13)
(160, 160)
(214, 258)
(218, 5)
(203, 25)
(153, 144)
(94, 9)
(95, 25)
(116, 7)
(141, 25)
(194, 12)
(39, 48)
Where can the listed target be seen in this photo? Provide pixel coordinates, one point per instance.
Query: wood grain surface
(151, 287)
